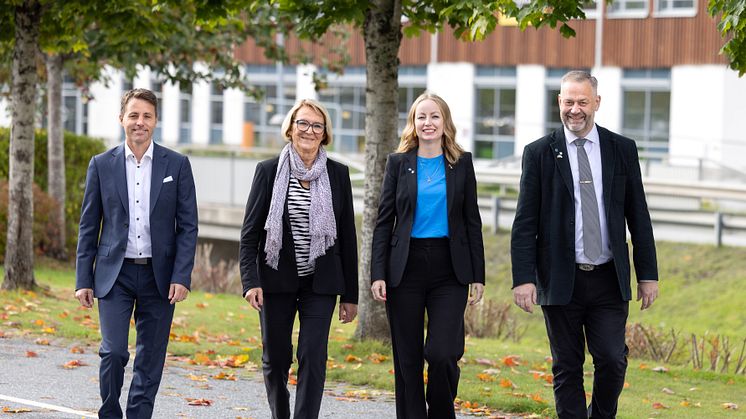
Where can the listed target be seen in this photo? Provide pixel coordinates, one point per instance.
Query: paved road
(43, 379)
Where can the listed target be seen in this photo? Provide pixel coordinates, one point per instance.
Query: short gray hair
(580, 76)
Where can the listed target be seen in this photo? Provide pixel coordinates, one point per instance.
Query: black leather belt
(587, 267)
(138, 261)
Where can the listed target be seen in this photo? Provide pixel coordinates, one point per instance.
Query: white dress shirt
(593, 150)
(138, 193)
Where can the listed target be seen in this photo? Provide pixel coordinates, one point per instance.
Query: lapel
(120, 175)
(608, 150)
(450, 183)
(160, 163)
(559, 148)
(410, 173)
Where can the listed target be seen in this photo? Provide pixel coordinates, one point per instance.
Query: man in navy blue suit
(136, 246)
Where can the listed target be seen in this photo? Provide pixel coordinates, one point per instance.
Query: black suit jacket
(396, 217)
(543, 238)
(336, 270)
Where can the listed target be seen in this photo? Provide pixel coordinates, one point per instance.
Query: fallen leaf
(348, 346)
(511, 361)
(77, 350)
(377, 358)
(660, 369)
(49, 330)
(643, 366)
(199, 402)
(42, 341)
(685, 403)
(75, 363)
(667, 390)
(485, 361)
(39, 322)
(201, 305)
(506, 383)
(16, 410)
(223, 376)
(730, 406)
(485, 377)
(537, 398)
(352, 358)
(658, 405)
(626, 384)
(31, 354)
(197, 377)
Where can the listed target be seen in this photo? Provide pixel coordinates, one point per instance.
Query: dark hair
(143, 94)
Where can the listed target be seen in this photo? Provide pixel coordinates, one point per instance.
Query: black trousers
(135, 289)
(277, 318)
(596, 314)
(429, 286)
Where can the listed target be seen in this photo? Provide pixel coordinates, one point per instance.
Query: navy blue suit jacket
(543, 238)
(396, 218)
(104, 221)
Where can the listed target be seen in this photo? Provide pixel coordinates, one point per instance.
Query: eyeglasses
(304, 125)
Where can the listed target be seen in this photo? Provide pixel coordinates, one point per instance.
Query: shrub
(222, 277)
(78, 152)
(43, 228)
(492, 319)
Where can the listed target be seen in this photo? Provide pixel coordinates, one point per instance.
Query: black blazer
(336, 271)
(396, 217)
(543, 238)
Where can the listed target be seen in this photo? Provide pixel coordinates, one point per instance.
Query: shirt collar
(148, 153)
(592, 136)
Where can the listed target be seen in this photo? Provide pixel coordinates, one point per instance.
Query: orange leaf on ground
(223, 376)
(197, 377)
(626, 384)
(485, 377)
(685, 403)
(75, 363)
(16, 410)
(42, 341)
(39, 322)
(537, 398)
(347, 346)
(511, 361)
(49, 330)
(352, 358)
(31, 354)
(505, 383)
(658, 405)
(377, 358)
(199, 402)
(77, 350)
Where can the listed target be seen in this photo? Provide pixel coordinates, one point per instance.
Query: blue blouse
(431, 212)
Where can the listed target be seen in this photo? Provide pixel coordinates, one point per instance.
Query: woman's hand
(347, 312)
(476, 290)
(379, 290)
(255, 297)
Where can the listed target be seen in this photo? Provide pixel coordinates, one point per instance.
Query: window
(156, 86)
(267, 113)
(494, 122)
(628, 8)
(74, 108)
(679, 8)
(185, 117)
(646, 110)
(216, 113)
(345, 101)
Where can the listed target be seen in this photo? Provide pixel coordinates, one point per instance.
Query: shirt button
(137, 219)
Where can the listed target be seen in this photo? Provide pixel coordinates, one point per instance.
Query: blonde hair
(409, 140)
(287, 124)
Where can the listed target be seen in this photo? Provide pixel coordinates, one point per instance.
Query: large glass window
(185, 117)
(646, 110)
(494, 122)
(263, 117)
(74, 108)
(156, 86)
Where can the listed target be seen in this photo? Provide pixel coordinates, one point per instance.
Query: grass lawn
(702, 290)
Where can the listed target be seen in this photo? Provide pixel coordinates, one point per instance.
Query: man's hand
(347, 312)
(476, 290)
(524, 297)
(85, 296)
(647, 291)
(255, 297)
(379, 290)
(177, 293)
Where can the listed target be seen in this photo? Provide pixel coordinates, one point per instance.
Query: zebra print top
(299, 201)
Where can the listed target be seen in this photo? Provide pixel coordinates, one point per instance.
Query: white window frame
(627, 13)
(674, 12)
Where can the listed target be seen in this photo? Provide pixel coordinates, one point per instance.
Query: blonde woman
(427, 253)
(298, 252)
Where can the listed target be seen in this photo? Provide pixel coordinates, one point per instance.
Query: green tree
(732, 26)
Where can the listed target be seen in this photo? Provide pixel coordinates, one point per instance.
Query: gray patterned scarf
(322, 224)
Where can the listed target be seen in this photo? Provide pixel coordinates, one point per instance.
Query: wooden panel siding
(628, 43)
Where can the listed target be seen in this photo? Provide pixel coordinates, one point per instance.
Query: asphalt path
(39, 382)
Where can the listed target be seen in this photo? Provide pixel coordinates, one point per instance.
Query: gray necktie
(588, 205)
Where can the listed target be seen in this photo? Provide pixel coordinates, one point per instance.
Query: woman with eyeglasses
(298, 252)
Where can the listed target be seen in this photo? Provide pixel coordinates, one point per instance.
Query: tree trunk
(19, 253)
(382, 34)
(56, 153)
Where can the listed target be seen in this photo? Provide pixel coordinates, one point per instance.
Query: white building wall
(304, 87)
(530, 104)
(698, 113)
(233, 116)
(200, 112)
(733, 119)
(104, 109)
(170, 113)
(454, 82)
(610, 111)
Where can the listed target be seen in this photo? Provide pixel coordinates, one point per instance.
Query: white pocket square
(168, 179)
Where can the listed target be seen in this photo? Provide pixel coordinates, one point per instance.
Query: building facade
(661, 80)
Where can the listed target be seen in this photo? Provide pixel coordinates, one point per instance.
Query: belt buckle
(586, 267)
